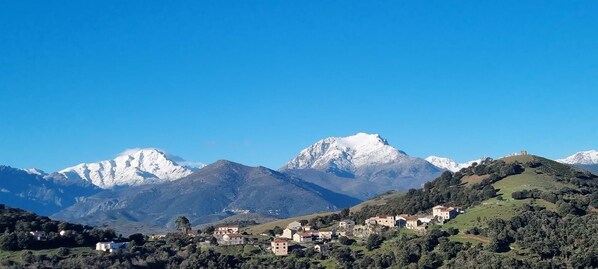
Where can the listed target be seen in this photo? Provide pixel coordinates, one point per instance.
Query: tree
(277, 230)
(374, 241)
(303, 222)
(182, 224)
(345, 240)
(9, 241)
(138, 238)
(345, 213)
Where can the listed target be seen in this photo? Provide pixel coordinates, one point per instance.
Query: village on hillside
(299, 235)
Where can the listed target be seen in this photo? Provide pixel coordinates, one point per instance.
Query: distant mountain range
(151, 187)
(587, 160)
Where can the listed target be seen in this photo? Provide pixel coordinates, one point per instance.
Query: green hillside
(517, 209)
(504, 206)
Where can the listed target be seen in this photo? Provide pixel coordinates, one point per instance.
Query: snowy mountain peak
(34, 171)
(347, 153)
(448, 164)
(132, 167)
(582, 157)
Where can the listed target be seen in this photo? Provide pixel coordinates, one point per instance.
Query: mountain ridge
(132, 167)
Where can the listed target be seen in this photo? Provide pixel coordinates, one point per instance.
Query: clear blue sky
(257, 81)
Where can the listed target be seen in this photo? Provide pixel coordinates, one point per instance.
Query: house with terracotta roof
(302, 237)
(383, 220)
(444, 214)
(280, 247)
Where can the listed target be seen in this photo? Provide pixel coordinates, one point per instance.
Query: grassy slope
(494, 208)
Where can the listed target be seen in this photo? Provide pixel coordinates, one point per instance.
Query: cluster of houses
(305, 234)
(299, 233)
(440, 215)
(229, 236)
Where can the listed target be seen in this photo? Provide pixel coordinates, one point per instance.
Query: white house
(302, 237)
(111, 246)
(445, 213)
(412, 222)
(232, 239)
(288, 233)
(326, 234)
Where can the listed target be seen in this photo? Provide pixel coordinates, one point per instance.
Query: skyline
(176, 158)
(255, 83)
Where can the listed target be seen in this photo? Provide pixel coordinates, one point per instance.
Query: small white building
(302, 237)
(232, 240)
(111, 246)
(39, 235)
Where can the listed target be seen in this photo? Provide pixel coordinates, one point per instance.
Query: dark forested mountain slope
(212, 193)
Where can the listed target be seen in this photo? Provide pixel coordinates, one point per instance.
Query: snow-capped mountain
(132, 167)
(448, 164)
(362, 165)
(583, 157)
(347, 154)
